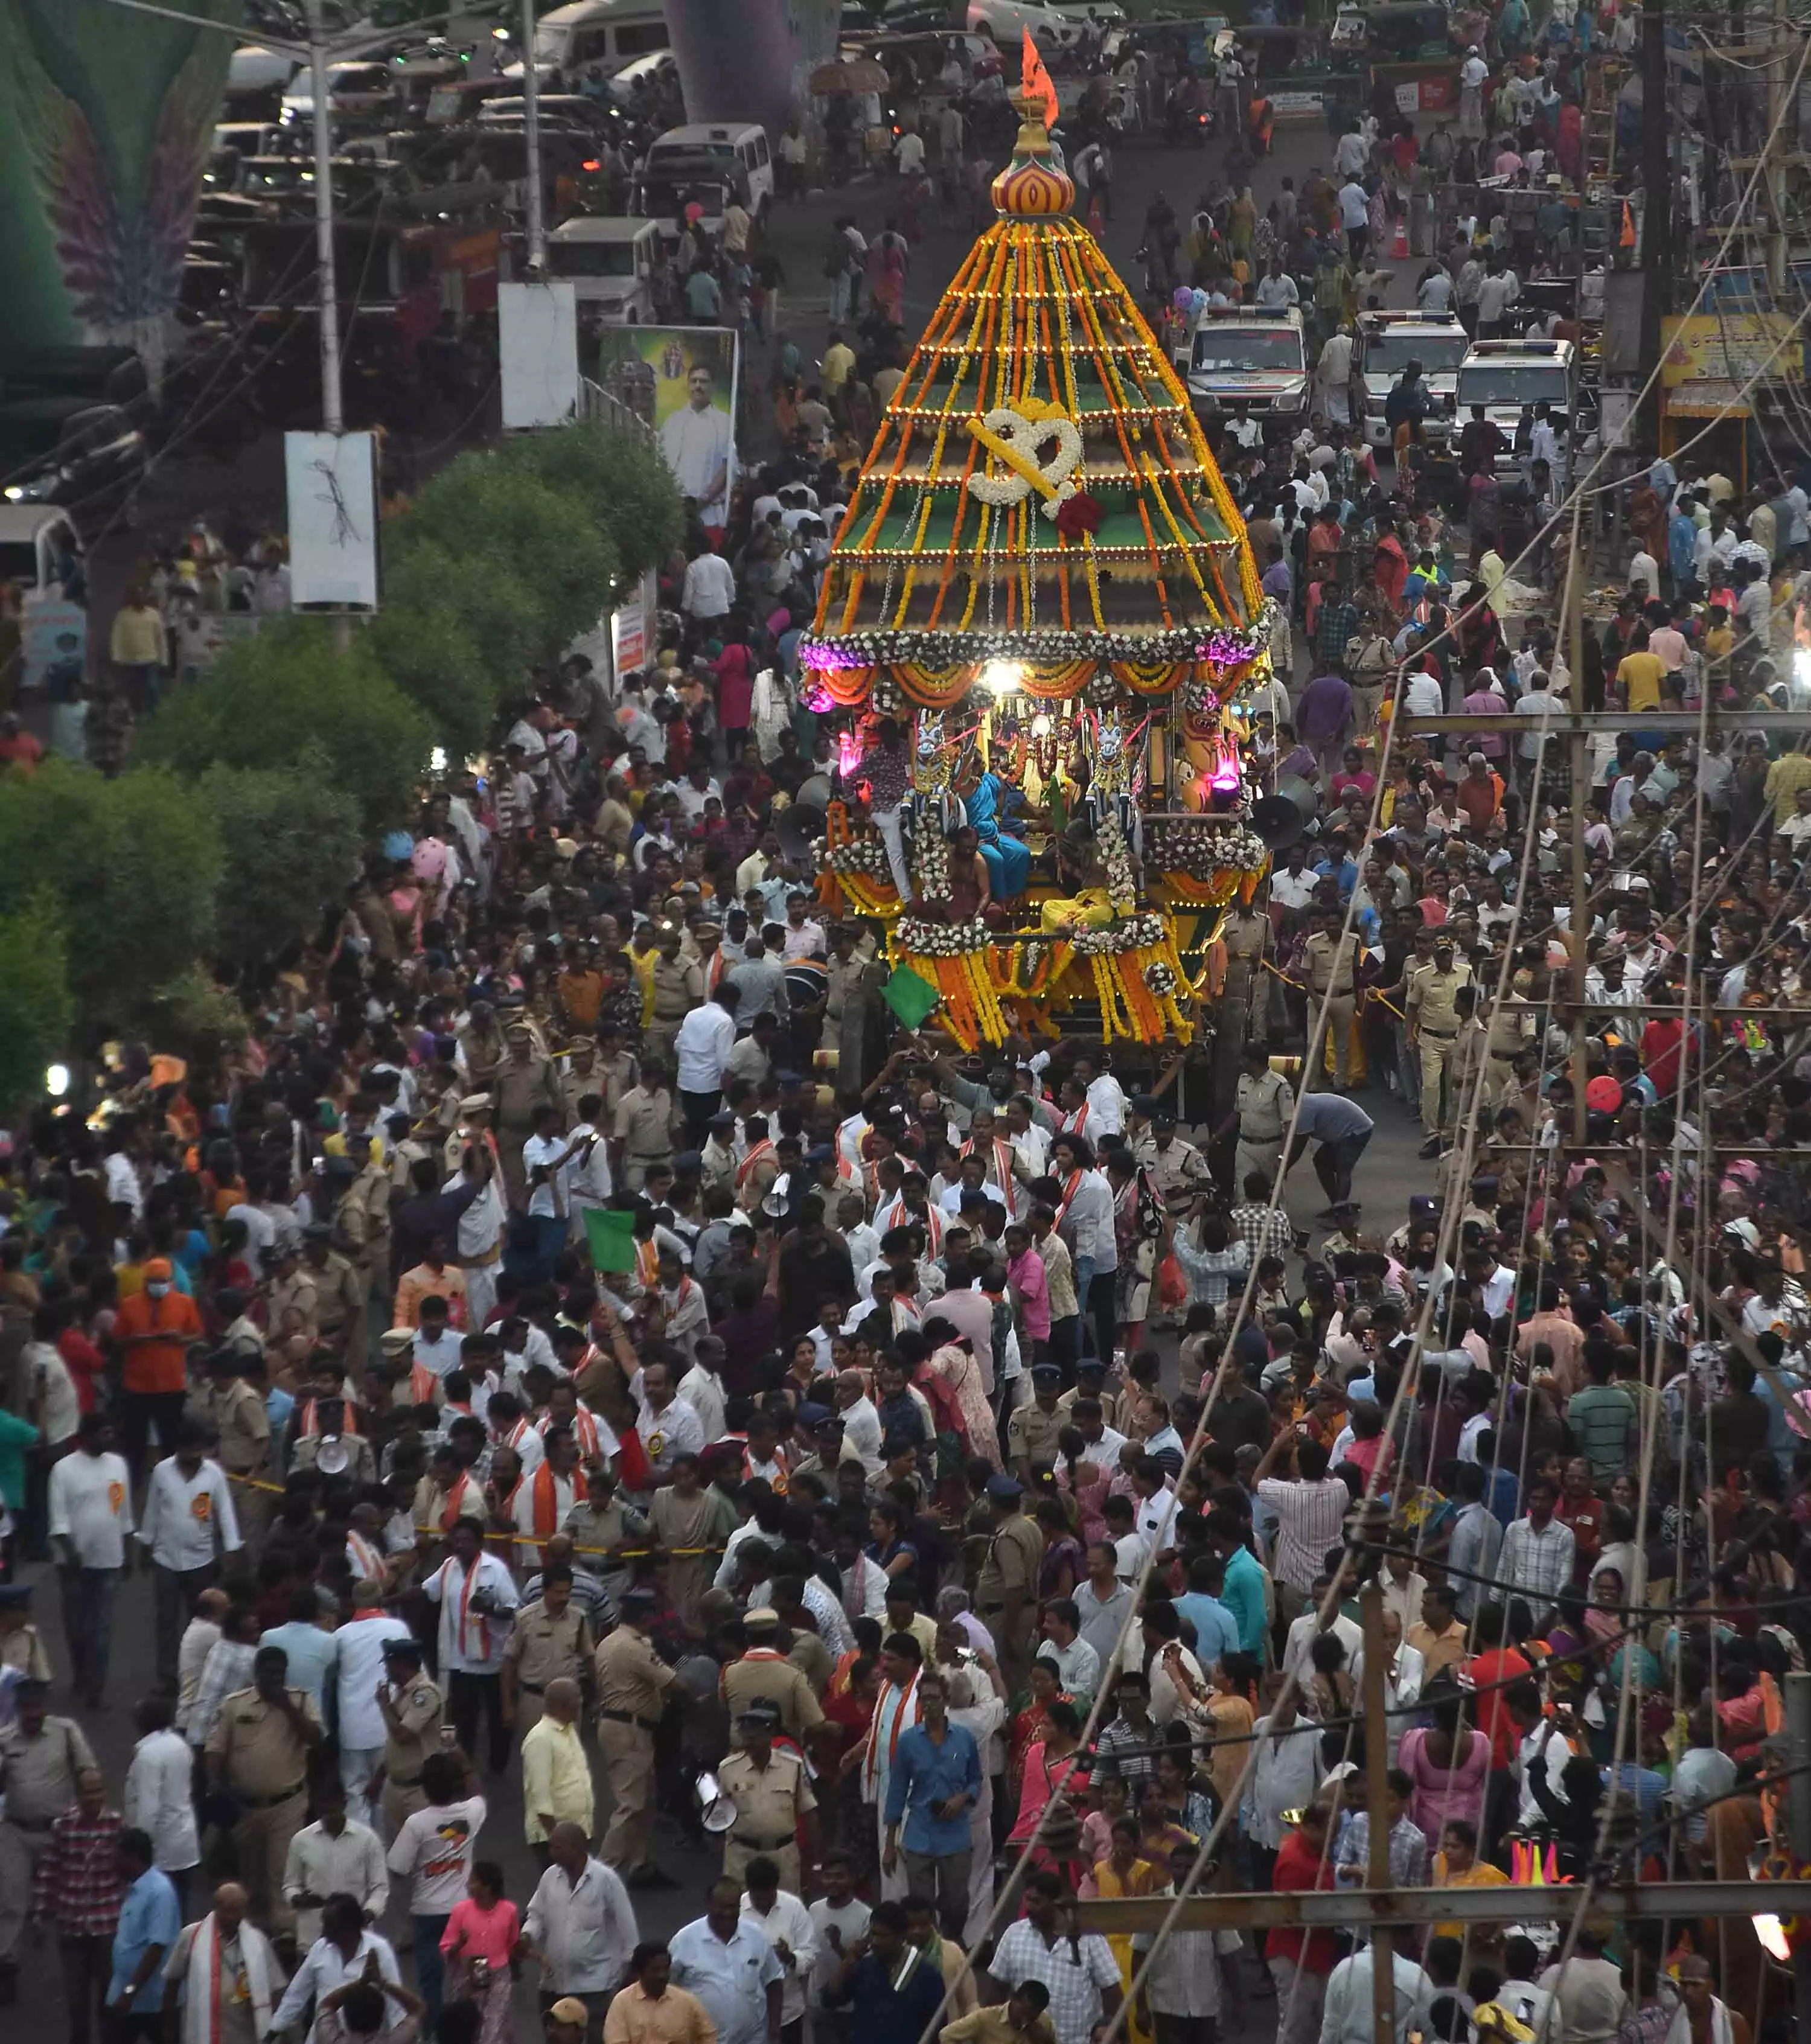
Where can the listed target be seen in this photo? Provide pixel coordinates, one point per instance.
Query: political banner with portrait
(682, 381)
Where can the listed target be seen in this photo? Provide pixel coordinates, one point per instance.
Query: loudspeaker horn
(798, 826)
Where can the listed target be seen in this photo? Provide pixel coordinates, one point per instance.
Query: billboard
(331, 480)
(1728, 348)
(681, 381)
(538, 342)
(106, 117)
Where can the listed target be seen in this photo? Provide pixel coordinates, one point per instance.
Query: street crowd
(580, 1337)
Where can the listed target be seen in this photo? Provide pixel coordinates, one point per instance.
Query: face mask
(157, 1291)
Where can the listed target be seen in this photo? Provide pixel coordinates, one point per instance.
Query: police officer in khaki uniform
(258, 1751)
(552, 1639)
(1175, 1166)
(643, 1129)
(1032, 1431)
(523, 1084)
(678, 987)
(1006, 1590)
(764, 1675)
(1331, 964)
(1246, 937)
(1512, 1024)
(773, 1797)
(617, 1070)
(576, 1074)
(413, 1709)
(339, 1297)
(1433, 1020)
(1263, 1102)
(362, 1222)
(633, 1683)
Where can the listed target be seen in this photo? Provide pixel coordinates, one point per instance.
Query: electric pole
(531, 137)
(1657, 183)
(326, 268)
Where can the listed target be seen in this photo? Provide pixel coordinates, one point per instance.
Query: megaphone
(817, 793)
(1278, 821)
(798, 826)
(717, 1811)
(333, 1458)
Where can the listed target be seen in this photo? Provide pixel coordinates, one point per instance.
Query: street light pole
(326, 269)
(531, 137)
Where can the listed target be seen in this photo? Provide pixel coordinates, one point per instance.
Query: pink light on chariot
(848, 753)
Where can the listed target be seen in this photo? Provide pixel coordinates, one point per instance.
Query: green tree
(288, 697)
(38, 1009)
(489, 516)
(291, 844)
(455, 635)
(625, 482)
(134, 865)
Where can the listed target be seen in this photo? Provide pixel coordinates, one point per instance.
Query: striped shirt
(1311, 1518)
(1536, 1564)
(77, 1885)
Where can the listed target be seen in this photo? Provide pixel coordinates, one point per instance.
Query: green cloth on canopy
(910, 995)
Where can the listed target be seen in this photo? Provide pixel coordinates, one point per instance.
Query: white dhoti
(980, 1863)
(480, 1293)
(892, 1885)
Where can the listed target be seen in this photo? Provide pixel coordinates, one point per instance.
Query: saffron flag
(1035, 86)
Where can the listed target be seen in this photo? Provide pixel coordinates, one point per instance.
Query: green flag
(610, 1233)
(910, 995)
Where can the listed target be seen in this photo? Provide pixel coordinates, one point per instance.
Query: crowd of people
(578, 1338)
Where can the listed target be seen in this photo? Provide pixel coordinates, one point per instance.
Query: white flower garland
(911, 933)
(1116, 858)
(1135, 933)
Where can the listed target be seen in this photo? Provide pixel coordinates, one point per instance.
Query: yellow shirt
(556, 1779)
(1640, 675)
(1788, 773)
(838, 363)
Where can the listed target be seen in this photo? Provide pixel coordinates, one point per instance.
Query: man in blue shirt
(314, 1654)
(1682, 545)
(893, 1994)
(935, 1782)
(151, 1921)
(1216, 1629)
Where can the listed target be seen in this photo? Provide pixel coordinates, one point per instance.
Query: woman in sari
(961, 1373)
(1122, 1875)
(1064, 1563)
(1046, 1764)
(1222, 1711)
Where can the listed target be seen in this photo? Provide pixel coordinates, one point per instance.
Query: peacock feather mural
(105, 118)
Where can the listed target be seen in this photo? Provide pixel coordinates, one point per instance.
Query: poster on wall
(681, 380)
(332, 481)
(538, 339)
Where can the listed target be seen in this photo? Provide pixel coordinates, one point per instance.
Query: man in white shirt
(785, 1922)
(188, 1523)
(360, 1673)
(339, 1955)
(580, 1923)
(710, 588)
(1346, 2015)
(334, 1855)
(477, 1599)
(1277, 289)
(701, 1048)
(90, 1514)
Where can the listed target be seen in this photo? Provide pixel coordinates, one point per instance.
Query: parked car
(1005, 21)
(609, 264)
(64, 450)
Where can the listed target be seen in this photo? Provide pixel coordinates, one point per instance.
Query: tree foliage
(37, 1010)
(291, 842)
(491, 516)
(288, 701)
(623, 481)
(456, 637)
(134, 865)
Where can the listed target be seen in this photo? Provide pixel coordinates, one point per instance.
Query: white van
(595, 39)
(609, 264)
(32, 537)
(705, 149)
